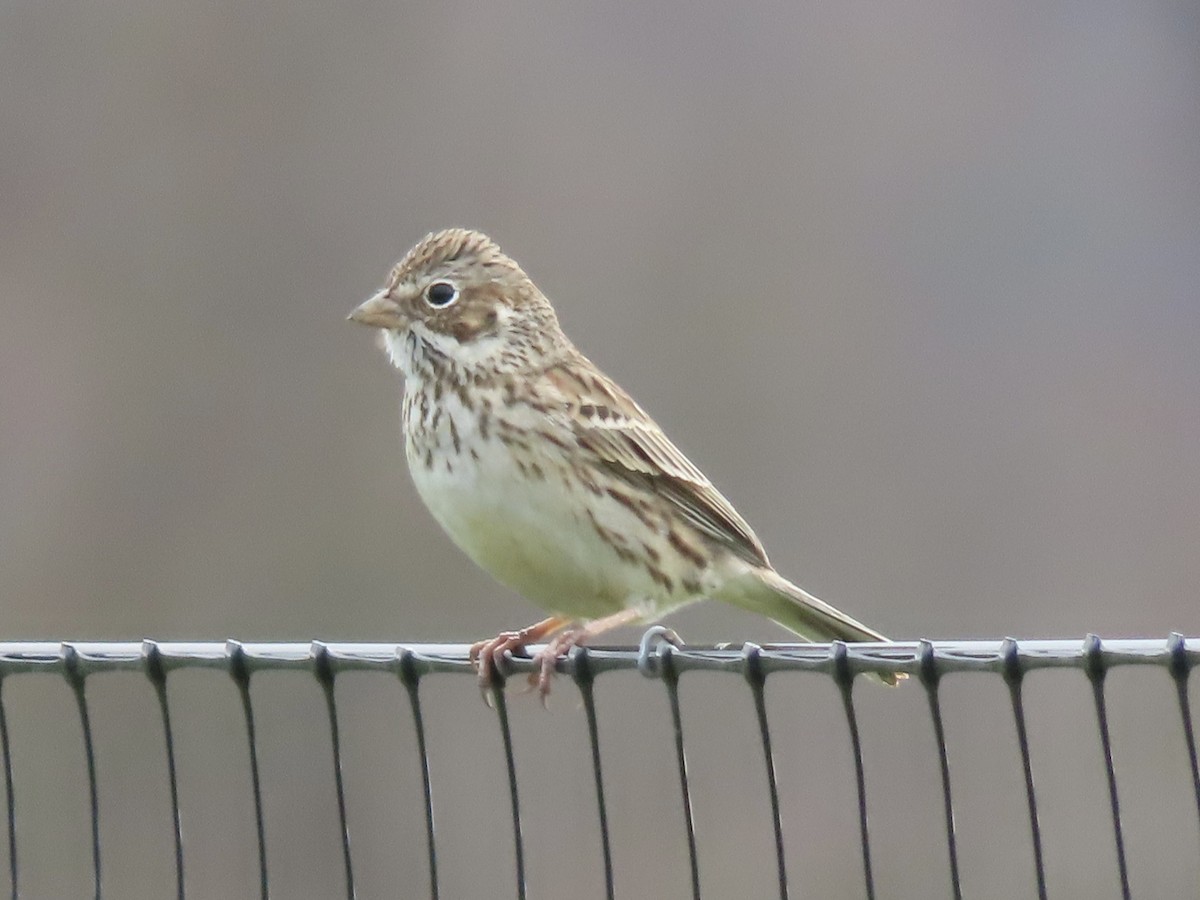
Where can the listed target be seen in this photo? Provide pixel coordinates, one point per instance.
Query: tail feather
(770, 594)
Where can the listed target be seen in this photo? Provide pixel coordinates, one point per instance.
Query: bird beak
(381, 311)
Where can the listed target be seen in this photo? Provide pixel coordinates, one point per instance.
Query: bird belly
(566, 549)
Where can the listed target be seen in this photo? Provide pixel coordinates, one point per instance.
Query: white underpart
(531, 534)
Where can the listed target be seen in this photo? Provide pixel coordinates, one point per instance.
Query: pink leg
(560, 645)
(488, 656)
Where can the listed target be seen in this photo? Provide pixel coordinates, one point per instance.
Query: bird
(547, 473)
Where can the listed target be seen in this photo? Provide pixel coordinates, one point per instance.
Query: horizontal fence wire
(658, 656)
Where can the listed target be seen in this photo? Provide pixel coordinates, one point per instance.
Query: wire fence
(927, 663)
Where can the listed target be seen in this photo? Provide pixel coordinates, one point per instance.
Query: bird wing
(607, 422)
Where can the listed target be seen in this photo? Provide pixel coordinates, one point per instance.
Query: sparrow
(547, 474)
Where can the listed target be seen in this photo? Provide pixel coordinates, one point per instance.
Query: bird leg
(560, 645)
(488, 656)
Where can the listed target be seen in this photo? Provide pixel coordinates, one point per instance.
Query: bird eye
(441, 294)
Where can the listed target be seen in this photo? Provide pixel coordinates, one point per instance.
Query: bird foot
(547, 659)
(488, 656)
(560, 634)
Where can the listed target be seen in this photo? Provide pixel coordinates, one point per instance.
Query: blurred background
(916, 285)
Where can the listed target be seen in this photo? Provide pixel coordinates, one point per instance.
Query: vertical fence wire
(1014, 677)
(158, 679)
(323, 670)
(670, 677)
(9, 797)
(410, 677)
(757, 680)
(236, 655)
(844, 679)
(585, 679)
(501, 707)
(1181, 669)
(930, 679)
(76, 679)
(1096, 669)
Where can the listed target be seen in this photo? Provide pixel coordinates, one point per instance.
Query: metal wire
(76, 678)
(1096, 669)
(585, 678)
(410, 677)
(930, 678)
(510, 764)
(324, 672)
(656, 657)
(1180, 668)
(158, 678)
(10, 798)
(49, 657)
(240, 669)
(843, 676)
(1014, 677)
(757, 680)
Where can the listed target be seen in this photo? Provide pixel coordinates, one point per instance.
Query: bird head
(457, 295)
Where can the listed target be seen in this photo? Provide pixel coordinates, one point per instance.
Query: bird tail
(770, 594)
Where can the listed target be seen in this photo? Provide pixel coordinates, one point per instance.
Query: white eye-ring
(441, 294)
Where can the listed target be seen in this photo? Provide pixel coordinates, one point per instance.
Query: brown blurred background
(916, 285)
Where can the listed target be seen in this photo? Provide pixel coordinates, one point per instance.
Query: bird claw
(490, 659)
(547, 661)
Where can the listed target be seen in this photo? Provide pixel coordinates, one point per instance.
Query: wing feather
(607, 421)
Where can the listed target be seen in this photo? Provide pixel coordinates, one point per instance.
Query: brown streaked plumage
(548, 474)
